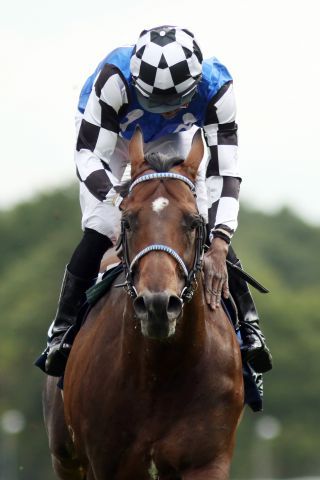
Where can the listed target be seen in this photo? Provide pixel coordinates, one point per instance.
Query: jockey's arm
(223, 185)
(98, 132)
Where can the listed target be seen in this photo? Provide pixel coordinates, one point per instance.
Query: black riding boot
(255, 350)
(72, 297)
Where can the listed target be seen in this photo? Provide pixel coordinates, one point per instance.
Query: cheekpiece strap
(160, 175)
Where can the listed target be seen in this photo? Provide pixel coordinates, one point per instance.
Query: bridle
(190, 275)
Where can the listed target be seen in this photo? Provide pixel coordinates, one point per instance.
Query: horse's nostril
(174, 306)
(140, 306)
(157, 307)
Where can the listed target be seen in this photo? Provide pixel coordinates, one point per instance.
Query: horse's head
(162, 235)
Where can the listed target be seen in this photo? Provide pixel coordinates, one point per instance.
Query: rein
(190, 276)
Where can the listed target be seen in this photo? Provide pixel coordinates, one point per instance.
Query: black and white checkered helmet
(166, 67)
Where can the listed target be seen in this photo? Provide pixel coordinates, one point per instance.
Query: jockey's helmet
(166, 67)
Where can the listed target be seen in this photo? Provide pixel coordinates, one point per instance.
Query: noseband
(190, 276)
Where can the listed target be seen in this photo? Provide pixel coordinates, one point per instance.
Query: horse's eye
(192, 222)
(126, 224)
(129, 221)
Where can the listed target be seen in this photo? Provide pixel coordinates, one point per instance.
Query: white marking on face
(159, 204)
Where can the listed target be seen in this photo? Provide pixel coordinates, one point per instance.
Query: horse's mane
(158, 162)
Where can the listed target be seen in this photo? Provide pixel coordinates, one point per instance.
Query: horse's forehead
(175, 190)
(159, 204)
(158, 198)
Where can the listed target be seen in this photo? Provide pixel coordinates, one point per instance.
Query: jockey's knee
(103, 228)
(102, 218)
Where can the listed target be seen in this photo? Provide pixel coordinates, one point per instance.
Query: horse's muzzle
(158, 313)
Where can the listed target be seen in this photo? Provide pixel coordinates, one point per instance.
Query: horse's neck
(192, 333)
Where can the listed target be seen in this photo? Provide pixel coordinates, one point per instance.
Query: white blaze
(159, 204)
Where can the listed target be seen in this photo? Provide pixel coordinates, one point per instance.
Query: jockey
(163, 85)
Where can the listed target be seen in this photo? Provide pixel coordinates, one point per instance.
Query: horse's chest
(164, 445)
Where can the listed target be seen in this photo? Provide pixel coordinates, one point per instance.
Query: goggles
(163, 103)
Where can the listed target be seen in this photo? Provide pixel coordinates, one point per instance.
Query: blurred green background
(37, 239)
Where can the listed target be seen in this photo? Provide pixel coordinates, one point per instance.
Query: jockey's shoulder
(215, 76)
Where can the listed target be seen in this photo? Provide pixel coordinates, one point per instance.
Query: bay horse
(153, 388)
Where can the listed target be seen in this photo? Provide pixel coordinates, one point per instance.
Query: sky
(49, 48)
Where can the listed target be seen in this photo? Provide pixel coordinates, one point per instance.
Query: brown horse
(153, 387)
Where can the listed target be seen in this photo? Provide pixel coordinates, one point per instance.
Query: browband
(160, 175)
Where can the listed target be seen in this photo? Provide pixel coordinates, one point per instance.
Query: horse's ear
(193, 160)
(136, 154)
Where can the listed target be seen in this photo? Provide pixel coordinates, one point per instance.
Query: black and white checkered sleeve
(222, 175)
(99, 130)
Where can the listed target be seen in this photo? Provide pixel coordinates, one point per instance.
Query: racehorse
(153, 387)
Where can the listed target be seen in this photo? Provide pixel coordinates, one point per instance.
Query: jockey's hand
(215, 273)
